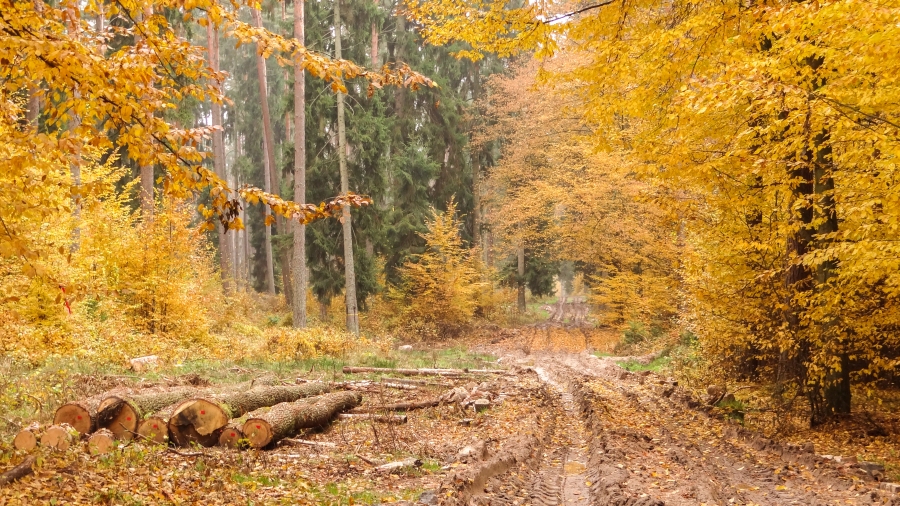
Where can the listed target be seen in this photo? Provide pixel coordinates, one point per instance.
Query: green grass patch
(656, 365)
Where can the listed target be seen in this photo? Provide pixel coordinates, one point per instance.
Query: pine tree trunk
(300, 280)
(271, 174)
(349, 267)
(225, 252)
(201, 420)
(520, 301)
(286, 419)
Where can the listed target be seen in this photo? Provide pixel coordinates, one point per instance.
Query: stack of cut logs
(257, 414)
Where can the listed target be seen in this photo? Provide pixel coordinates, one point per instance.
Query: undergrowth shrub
(443, 289)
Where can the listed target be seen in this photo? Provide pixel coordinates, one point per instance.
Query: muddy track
(605, 436)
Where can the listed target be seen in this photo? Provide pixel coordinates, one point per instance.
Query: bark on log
(403, 406)
(101, 442)
(201, 420)
(18, 472)
(27, 438)
(391, 419)
(59, 437)
(285, 419)
(406, 372)
(396, 466)
(82, 414)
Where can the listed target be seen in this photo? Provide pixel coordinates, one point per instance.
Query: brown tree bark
(226, 255)
(299, 270)
(122, 414)
(272, 179)
(200, 420)
(286, 419)
(349, 267)
(18, 472)
(520, 299)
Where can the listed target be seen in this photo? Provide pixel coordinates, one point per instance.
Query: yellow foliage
(445, 287)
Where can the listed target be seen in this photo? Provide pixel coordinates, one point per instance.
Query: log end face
(75, 415)
(203, 416)
(154, 430)
(57, 437)
(122, 421)
(232, 438)
(101, 442)
(25, 440)
(258, 432)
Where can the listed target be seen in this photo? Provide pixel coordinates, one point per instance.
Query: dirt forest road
(600, 435)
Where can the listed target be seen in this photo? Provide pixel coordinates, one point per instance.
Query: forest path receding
(613, 437)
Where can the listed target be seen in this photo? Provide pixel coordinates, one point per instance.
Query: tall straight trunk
(270, 265)
(75, 164)
(349, 271)
(225, 251)
(374, 54)
(299, 254)
(34, 101)
(520, 253)
(272, 175)
(836, 396)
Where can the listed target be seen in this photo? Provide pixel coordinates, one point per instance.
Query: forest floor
(565, 427)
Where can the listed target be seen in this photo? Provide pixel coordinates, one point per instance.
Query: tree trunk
(225, 254)
(201, 420)
(349, 268)
(299, 254)
(271, 174)
(520, 300)
(405, 372)
(836, 398)
(75, 165)
(374, 54)
(286, 419)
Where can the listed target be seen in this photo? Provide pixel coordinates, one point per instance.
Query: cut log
(141, 364)
(200, 420)
(83, 414)
(27, 438)
(403, 406)
(233, 436)
(406, 372)
(59, 437)
(314, 444)
(18, 472)
(285, 419)
(155, 428)
(392, 419)
(400, 464)
(122, 414)
(101, 442)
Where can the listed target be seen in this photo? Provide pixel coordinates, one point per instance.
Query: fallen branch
(406, 372)
(392, 419)
(184, 454)
(402, 406)
(17, 473)
(400, 464)
(320, 444)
